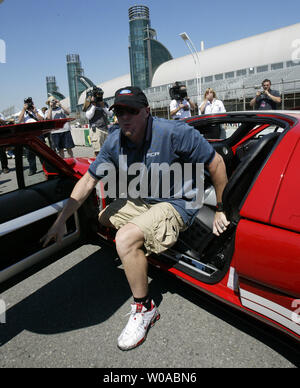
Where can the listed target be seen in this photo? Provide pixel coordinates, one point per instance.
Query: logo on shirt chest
(152, 154)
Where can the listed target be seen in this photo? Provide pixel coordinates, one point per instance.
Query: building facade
(146, 54)
(235, 70)
(74, 72)
(52, 88)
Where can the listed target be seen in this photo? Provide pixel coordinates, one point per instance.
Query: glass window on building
(191, 82)
(261, 69)
(276, 66)
(251, 70)
(241, 72)
(292, 63)
(219, 76)
(230, 74)
(208, 79)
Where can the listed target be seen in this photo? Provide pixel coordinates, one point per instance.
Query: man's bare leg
(129, 243)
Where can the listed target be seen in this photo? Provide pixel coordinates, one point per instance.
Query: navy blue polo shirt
(166, 143)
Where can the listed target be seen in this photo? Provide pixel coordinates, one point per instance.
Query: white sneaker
(139, 323)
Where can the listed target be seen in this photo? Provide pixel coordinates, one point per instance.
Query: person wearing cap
(96, 111)
(61, 138)
(147, 224)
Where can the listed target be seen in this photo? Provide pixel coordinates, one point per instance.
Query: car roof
(31, 129)
(251, 113)
(267, 116)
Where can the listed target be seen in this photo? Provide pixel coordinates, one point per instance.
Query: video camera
(97, 93)
(178, 91)
(29, 102)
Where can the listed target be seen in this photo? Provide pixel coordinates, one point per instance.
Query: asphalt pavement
(70, 313)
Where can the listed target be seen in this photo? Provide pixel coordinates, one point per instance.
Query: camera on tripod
(97, 93)
(178, 91)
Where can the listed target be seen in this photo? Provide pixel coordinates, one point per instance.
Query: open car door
(29, 205)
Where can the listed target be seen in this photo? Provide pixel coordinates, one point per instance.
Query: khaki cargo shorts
(160, 222)
(97, 137)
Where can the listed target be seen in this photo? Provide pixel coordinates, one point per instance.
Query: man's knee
(129, 238)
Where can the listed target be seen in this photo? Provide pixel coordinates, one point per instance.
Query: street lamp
(195, 56)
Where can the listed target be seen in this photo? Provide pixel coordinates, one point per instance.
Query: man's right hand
(56, 233)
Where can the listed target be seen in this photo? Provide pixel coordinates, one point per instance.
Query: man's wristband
(220, 207)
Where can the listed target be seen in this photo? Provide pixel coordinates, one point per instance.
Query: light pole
(195, 56)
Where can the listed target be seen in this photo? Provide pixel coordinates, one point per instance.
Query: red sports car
(254, 266)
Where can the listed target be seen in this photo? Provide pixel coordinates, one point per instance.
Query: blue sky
(39, 34)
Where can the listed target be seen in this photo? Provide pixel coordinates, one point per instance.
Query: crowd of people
(181, 105)
(58, 140)
(98, 116)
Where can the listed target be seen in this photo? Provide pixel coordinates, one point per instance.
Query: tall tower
(52, 88)
(51, 85)
(145, 52)
(74, 71)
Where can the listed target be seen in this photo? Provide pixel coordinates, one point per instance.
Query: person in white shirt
(29, 114)
(61, 138)
(48, 137)
(2, 119)
(181, 104)
(43, 112)
(210, 105)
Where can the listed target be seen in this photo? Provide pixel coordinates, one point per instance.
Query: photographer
(96, 112)
(266, 99)
(3, 156)
(61, 138)
(29, 114)
(2, 119)
(181, 105)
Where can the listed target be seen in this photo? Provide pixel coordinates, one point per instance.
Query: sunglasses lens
(122, 111)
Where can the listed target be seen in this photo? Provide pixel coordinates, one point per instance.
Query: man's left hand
(220, 223)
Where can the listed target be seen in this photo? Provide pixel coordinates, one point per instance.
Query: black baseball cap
(131, 96)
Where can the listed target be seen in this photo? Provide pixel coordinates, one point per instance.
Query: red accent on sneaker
(139, 307)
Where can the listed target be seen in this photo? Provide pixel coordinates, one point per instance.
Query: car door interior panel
(34, 209)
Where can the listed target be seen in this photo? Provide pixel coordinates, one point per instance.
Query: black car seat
(199, 235)
(240, 181)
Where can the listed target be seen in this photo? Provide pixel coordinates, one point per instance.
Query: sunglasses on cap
(122, 110)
